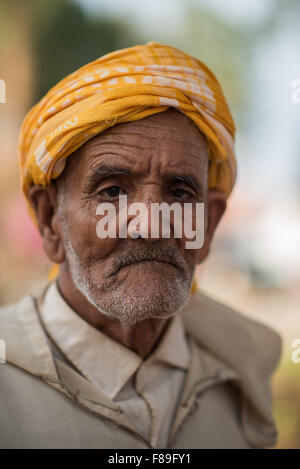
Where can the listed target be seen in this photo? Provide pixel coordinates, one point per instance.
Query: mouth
(149, 261)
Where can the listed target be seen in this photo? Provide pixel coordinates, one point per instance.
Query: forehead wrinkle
(128, 149)
(125, 157)
(188, 165)
(138, 127)
(157, 122)
(128, 142)
(123, 137)
(125, 144)
(171, 127)
(111, 158)
(164, 117)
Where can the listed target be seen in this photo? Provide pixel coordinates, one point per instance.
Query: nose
(143, 219)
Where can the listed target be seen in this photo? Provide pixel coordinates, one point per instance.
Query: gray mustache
(148, 253)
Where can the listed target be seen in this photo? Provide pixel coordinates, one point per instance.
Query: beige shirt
(148, 390)
(226, 400)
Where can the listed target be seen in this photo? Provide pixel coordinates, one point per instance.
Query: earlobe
(43, 201)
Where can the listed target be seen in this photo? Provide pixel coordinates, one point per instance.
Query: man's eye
(112, 191)
(181, 194)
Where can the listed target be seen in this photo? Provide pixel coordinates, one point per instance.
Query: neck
(141, 338)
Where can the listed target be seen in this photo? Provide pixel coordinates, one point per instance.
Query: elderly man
(119, 350)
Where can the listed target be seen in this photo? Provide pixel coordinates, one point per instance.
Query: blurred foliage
(65, 38)
(222, 47)
(286, 413)
(2, 20)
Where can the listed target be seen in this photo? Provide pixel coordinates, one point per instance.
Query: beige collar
(102, 360)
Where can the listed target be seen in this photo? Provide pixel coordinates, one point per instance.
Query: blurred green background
(254, 49)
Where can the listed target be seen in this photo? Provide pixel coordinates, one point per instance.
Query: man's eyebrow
(100, 171)
(190, 180)
(108, 169)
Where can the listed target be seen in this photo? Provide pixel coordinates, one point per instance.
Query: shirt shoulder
(230, 334)
(25, 341)
(248, 347)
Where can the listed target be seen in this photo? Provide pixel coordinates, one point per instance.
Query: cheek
(87, 244)
(191, 225)
(191, 257)
(193, 254)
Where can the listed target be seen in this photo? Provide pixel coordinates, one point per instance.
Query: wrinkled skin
(128, 288)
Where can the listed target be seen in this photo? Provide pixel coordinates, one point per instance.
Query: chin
(134, 295)
(130, 304)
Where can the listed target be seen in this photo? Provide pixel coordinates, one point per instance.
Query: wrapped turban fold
(125, 86)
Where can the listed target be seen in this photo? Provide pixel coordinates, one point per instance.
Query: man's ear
(43, 200)
(215, 207)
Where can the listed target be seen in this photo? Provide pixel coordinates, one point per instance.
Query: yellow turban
(126, 86)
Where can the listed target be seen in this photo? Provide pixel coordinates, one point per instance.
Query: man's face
(161, 158)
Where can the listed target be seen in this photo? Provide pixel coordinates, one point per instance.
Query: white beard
(129, 307)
